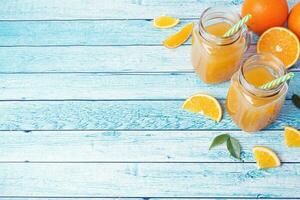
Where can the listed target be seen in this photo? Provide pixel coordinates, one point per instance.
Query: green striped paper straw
(277, 81)
(235, 28)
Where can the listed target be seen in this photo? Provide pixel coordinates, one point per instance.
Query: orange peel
(204, 104)
(164, 21)
(292, 137)
(265, 157)
(180, 37)
(282, 43)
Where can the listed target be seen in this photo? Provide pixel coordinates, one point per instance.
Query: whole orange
(265, 14)
(294, 20)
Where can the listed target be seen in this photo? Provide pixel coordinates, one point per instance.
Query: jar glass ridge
(215, 15)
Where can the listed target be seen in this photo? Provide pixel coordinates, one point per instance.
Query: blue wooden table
(90, 107)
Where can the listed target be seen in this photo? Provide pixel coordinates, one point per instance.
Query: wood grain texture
(95, 59)
(73, 198)
(107, 115)
(109, 140)
(112, 86)
(113, 9)
(98, 59)
(119, 198)
(153, 180)
(85, 33)
(49, 33)
(134, 146)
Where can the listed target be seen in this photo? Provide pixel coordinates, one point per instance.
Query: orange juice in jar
(250, 107)
(214, 57)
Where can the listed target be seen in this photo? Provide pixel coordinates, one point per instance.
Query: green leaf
(234, 147)
(296, 100)
(220, 139)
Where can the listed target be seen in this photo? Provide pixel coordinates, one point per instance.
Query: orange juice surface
(215, 60)
(249, 111)
(258, 76)
(218, 29)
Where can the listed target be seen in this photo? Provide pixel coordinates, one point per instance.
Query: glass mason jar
(250, 107)
(216, 58)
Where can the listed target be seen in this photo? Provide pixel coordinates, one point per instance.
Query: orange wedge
(164, 21)
(180, 37)
(292, 137)
(204, 104)
(265, 157)
(282, 43)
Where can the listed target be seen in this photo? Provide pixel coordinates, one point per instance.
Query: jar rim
(256, 90)
(220, 40)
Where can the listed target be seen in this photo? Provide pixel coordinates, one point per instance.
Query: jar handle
(248, 39)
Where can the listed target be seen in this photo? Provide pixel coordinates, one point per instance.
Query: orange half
(292, 137)
(180, 37)
(164, 21)
(204, 104)
(282, 43)
(265, 157)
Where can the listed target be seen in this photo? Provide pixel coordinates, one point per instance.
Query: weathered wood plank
(107, 32)
(85, 32)
(119, 198)
(93, 9)
(135, 115)
(113, 9)
(73, 198)
(95, 59)
(133, 146)
(98, 59)
(112, 86)
(153, 180)
(217, 198)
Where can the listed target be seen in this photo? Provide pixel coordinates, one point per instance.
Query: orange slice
(232, 102)
(265, 157)
(292, 137)
(180, 37)
(164, 21)
(204, 104)
(282, 43)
